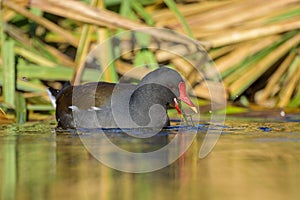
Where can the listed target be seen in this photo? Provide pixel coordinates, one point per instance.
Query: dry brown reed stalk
(272, 16)
(222, 51)
(61, 58)
(204, 89)
(127, 71)
(194, 78)
(42, 21)
(243, 35)
(227, 16)
(17, 34)
(183, 66)
(163, 55)
(256, 71)
(167, 18)
(289, 87)
(187, 9)
(221, 17)
(4, 118)
(242, 51)
(7, 14)
(274, 79)
(23, 38)
(79, 11)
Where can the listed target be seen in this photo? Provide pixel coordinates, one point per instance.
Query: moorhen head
(110, 105)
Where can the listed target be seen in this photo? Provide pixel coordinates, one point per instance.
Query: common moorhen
(109, 105)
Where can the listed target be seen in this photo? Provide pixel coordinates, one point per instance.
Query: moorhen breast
(121, 105)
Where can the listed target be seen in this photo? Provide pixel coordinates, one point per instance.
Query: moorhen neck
(110, 105)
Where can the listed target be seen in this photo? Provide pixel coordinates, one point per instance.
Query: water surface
(253, 159)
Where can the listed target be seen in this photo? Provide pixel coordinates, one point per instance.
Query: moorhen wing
(110, 105)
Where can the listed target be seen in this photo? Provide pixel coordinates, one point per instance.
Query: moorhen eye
(109, 105)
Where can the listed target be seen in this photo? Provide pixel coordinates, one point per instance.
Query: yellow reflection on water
(246, 163)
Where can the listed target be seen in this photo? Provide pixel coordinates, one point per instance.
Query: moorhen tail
(110, 105)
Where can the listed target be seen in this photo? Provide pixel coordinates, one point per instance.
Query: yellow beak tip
(194, 109)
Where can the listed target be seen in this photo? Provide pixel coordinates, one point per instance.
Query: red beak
(183, 97)
(177, 106)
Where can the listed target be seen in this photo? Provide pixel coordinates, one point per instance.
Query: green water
(248, 162)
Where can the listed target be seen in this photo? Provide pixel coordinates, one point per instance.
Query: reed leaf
(216, 53)
(126, 70)
(242, 83)
(247, 10)
(235, 36)
(241, 52)
(275, 77)
(138, 7)
(81, 53)
(9, 73)
(37, 47)
(27, 86)
(164, 16)
(247, 64)
(42, 21)
(171, 4)
(40, 107)
(21, 110)
(285, 14)
(290, 84)
(32, 56)
(51, 73)
(109, 73)
(295, 102)
(83, 49)
(144, 55)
